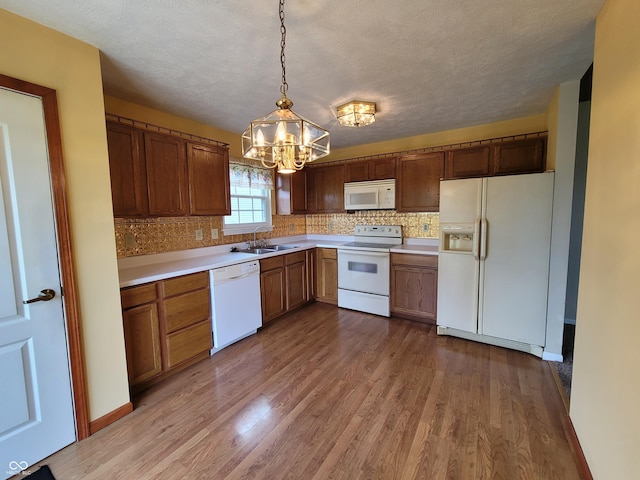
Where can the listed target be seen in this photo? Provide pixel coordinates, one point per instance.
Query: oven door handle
(363, 253)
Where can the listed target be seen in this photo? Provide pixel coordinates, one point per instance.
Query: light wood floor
(330, 393)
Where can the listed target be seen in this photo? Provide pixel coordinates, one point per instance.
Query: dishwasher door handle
(231, 279)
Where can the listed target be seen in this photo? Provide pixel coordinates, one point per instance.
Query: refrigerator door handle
(476, 243)
(483, 239)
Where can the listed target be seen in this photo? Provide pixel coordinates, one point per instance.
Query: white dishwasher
(235, 303)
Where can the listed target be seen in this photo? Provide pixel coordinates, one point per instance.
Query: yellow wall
(40, 55)
(536, 123)
(606, 383)
(116, 106)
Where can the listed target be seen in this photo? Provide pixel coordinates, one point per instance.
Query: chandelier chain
(283, 30)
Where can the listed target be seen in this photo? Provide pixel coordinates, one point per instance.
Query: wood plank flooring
(326, 393)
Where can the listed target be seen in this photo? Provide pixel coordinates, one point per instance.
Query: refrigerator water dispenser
(457, 238)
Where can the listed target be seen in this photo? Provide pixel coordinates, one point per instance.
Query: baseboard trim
(583, 466)
(552, 357)
(109, 418)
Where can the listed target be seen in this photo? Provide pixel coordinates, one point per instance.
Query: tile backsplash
(168, 234)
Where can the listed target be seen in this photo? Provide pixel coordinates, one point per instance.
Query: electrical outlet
(291, 227)
(199, 234)
(129, 240)
(214, 233)
(425, 227)
(330, 225)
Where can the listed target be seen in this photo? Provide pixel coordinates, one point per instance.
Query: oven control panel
(378, 230)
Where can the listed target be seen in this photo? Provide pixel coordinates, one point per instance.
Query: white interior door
(36, 406)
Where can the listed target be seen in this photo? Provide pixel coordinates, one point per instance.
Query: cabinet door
(166, 175)
(142, 342)
(418, 182)
(128, 171)
(328, 189)
(382, 169)
(467, 163)
(296, 279)
(519, 156)
(208, 170)
(272, 291)
(356, 171)
(414, 286)
(327, 275)
(312, 290)
(291, 191)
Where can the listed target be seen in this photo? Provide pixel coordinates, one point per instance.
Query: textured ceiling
(430, 65)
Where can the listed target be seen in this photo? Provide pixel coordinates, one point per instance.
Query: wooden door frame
(64, 245)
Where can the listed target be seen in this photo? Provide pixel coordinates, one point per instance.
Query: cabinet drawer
(186, 283)
(267, 264)
(331, 253)
(134, 296)
(297, 257)
(415, 260)
(188, 343)
(185, 310)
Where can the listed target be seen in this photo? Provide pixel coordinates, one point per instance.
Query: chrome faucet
(255, 243)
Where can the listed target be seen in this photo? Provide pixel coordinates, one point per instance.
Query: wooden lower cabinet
(272, 288)
(414, 286)
(284, 284)
(327, 275)
(167, 326)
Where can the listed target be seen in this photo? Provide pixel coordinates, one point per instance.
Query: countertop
(150, 268)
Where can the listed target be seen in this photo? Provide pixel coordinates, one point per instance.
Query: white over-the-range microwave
(373, 195)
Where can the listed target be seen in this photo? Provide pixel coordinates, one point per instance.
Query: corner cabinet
(414, 286)
(155, 174)
(326, 189)
(418, 182)
(291, 193)
(167, 327)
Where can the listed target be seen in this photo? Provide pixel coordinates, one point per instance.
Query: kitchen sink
(258, 251)
(277, 248)
(267, 249)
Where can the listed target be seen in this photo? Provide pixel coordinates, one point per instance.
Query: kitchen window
(251, 189)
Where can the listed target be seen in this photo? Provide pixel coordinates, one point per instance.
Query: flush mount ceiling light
(282, 139)
(357, 113)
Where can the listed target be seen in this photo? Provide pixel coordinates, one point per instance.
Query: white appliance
(493, 264)
(235, 303)
(363, 269)
(374, 195)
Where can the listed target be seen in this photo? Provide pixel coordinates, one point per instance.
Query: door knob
(44, 296)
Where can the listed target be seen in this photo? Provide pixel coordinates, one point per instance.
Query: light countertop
(150, 268)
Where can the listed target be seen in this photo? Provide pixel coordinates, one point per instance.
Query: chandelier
(356, 113)
(283, 139)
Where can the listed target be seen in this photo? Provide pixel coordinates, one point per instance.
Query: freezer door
(460, 200)
(458, 291)
(515, 275)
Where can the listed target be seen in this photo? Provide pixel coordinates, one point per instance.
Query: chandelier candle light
(357, 113)
(282, 139)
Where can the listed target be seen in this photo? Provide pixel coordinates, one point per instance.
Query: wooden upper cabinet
(326, 189)
(468, 162)
(128, 171)
(208, 173)
(519, 156)
(166, 175)
(418, 182)
(380, 169)
(291, 191)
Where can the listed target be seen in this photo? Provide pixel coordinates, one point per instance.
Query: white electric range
(363, 268)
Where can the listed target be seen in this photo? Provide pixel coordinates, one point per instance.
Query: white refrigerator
(493, 264)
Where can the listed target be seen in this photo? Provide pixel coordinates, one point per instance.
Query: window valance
(245, 174)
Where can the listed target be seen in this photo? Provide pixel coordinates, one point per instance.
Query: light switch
(199, 234)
